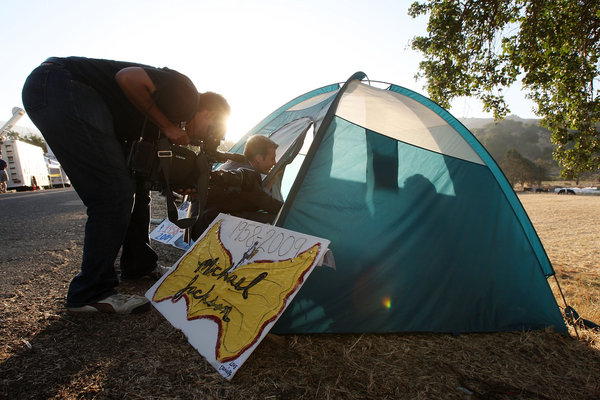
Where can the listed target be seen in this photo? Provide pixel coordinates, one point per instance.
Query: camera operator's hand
(139, 89)
(177, 135)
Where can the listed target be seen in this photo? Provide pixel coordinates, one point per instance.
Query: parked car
(590, 190)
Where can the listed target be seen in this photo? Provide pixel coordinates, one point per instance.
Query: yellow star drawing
(242, 302)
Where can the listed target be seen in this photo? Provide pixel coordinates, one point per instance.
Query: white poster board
(169, 233)
(228, 290)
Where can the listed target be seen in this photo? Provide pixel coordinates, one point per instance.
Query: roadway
(36, 228)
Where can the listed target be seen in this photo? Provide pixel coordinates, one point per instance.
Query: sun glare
(240, 122)
(387, 302)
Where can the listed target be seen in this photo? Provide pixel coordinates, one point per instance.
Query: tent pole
(283, 213)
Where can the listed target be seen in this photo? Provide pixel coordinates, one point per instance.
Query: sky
(259, 54)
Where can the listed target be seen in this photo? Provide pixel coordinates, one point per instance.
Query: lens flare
(387, 302)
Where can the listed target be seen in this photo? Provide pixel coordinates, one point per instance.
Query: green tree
(543, 168)
(12, 135)
(37, 141)
(478, 48)
(31, 139)
(519, 170)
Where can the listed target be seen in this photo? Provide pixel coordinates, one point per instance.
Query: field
(569, 229)
(46, 353)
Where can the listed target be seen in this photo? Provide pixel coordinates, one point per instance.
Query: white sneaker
(117, 303)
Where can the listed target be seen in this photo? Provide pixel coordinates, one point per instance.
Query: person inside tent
(237, 188)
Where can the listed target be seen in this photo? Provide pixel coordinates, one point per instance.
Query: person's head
(210, 121)
(260, 152)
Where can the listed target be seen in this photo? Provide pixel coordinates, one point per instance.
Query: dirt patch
(46, 353)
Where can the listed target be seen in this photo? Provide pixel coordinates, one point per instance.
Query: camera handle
(165, 156)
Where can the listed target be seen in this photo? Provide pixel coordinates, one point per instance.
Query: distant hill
(477, 123)
(526, 136)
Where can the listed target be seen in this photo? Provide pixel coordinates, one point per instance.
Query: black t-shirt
(176, 96)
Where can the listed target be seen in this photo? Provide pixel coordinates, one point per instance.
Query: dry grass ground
(569, 229)
(46, 353)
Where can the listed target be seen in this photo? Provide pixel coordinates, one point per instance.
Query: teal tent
(426, 232)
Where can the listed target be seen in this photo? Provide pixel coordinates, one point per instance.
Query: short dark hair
(213, 102)
(258, 145)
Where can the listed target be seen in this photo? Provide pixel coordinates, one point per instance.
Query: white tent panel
(312, 101)
(402, 118)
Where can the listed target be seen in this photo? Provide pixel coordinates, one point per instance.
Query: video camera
(166, 166)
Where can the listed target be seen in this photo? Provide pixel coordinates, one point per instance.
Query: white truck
(27, 169)
(57, 175)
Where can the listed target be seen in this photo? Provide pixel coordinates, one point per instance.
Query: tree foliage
(31, 139)
(519, 170)
(37, 141)
(478, 48)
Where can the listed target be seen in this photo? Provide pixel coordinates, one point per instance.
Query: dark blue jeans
(78, 127)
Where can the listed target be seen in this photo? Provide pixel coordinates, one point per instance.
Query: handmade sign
(232, 285)
(169, 233)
